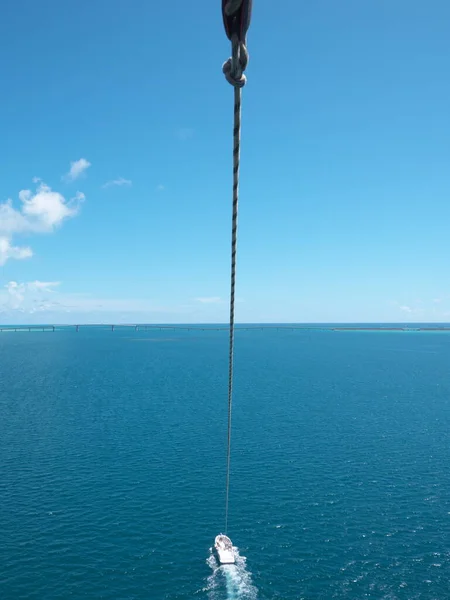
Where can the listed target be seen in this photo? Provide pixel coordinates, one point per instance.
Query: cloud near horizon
(406, 309)
(20, 301)
(432, 310)
(39, 212)
(26, 297)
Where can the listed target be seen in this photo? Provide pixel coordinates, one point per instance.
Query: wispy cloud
(418, 310)
(185, 133)
(39, 212)
(34, 297)
(8, 251)
(120, 181)
(46, 301)
(44, 286)
(26, 297)
(209, 299)
(77, 168)
(406, 309)
(160, 187)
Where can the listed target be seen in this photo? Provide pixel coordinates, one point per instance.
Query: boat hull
(224, 550)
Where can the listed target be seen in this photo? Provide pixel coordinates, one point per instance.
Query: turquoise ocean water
(112, 465)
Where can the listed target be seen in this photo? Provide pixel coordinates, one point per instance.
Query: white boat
(224, 549)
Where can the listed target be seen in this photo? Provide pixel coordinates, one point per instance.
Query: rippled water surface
(112, 458)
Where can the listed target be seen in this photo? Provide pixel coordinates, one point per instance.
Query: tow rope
(236, 19)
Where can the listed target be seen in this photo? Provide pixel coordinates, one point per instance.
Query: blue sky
(115, 154)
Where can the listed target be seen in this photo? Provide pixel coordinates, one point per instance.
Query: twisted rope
(233, 70)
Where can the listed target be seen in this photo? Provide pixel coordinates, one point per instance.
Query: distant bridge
(255, 327)
(27, 328)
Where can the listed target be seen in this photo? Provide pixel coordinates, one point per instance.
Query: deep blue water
(112, 465)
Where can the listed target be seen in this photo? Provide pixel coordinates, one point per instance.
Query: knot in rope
(234, 67)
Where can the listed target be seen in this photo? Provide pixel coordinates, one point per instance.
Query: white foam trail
(230, 582)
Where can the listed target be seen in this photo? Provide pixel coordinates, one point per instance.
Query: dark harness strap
(236, 16)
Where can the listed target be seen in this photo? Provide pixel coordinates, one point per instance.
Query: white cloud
(15, 293)
(119, 181)
(12, 220)
(39, 212)
(45, 286)
(7, 251)
(209, 300)
(77, 168)
(47, 209)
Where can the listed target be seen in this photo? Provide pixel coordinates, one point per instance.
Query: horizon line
(224, 324)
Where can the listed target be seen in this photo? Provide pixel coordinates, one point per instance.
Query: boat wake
(230, 582)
